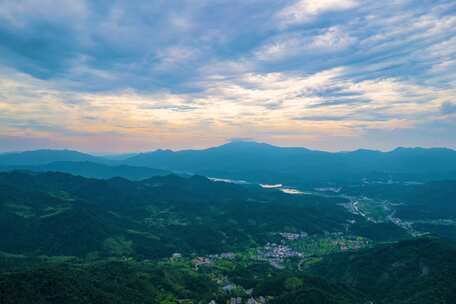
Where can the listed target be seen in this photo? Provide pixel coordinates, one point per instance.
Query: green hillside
(172, 239)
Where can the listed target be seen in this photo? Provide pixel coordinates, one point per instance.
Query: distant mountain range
(266, 163)
(42, 157)
(92, 170)
(260, 162)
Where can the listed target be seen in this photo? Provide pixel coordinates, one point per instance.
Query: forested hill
(61, 214)
(417, 271)
(173, 239)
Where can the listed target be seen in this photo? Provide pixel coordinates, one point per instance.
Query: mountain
(266, 163)
(119, 156)
(175, 239)
(417, 271)
(93, 170)
(256, 162)
(123, 282)
(61, 214)
(41, 157)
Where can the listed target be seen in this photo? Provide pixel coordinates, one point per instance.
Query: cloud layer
(117, 76)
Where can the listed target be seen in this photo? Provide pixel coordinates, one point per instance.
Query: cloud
(448, 108)
(20, 14)
(275, 103)
(287, 46)
(339, 102)
(322, 118)
(306, 10)
(175, 57)
(155, 74)
(332, 39)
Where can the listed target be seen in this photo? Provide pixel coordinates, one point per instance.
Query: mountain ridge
(91, 169)
(262, 162)
(265, 163)
(228, 144)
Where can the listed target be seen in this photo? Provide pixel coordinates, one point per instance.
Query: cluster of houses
(272, 250)
(275, 254)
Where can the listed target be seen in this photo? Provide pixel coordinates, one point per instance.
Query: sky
(121, 76)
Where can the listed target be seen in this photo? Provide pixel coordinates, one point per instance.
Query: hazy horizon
(108, 153)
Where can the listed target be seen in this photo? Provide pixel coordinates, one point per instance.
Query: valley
(90, 236)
